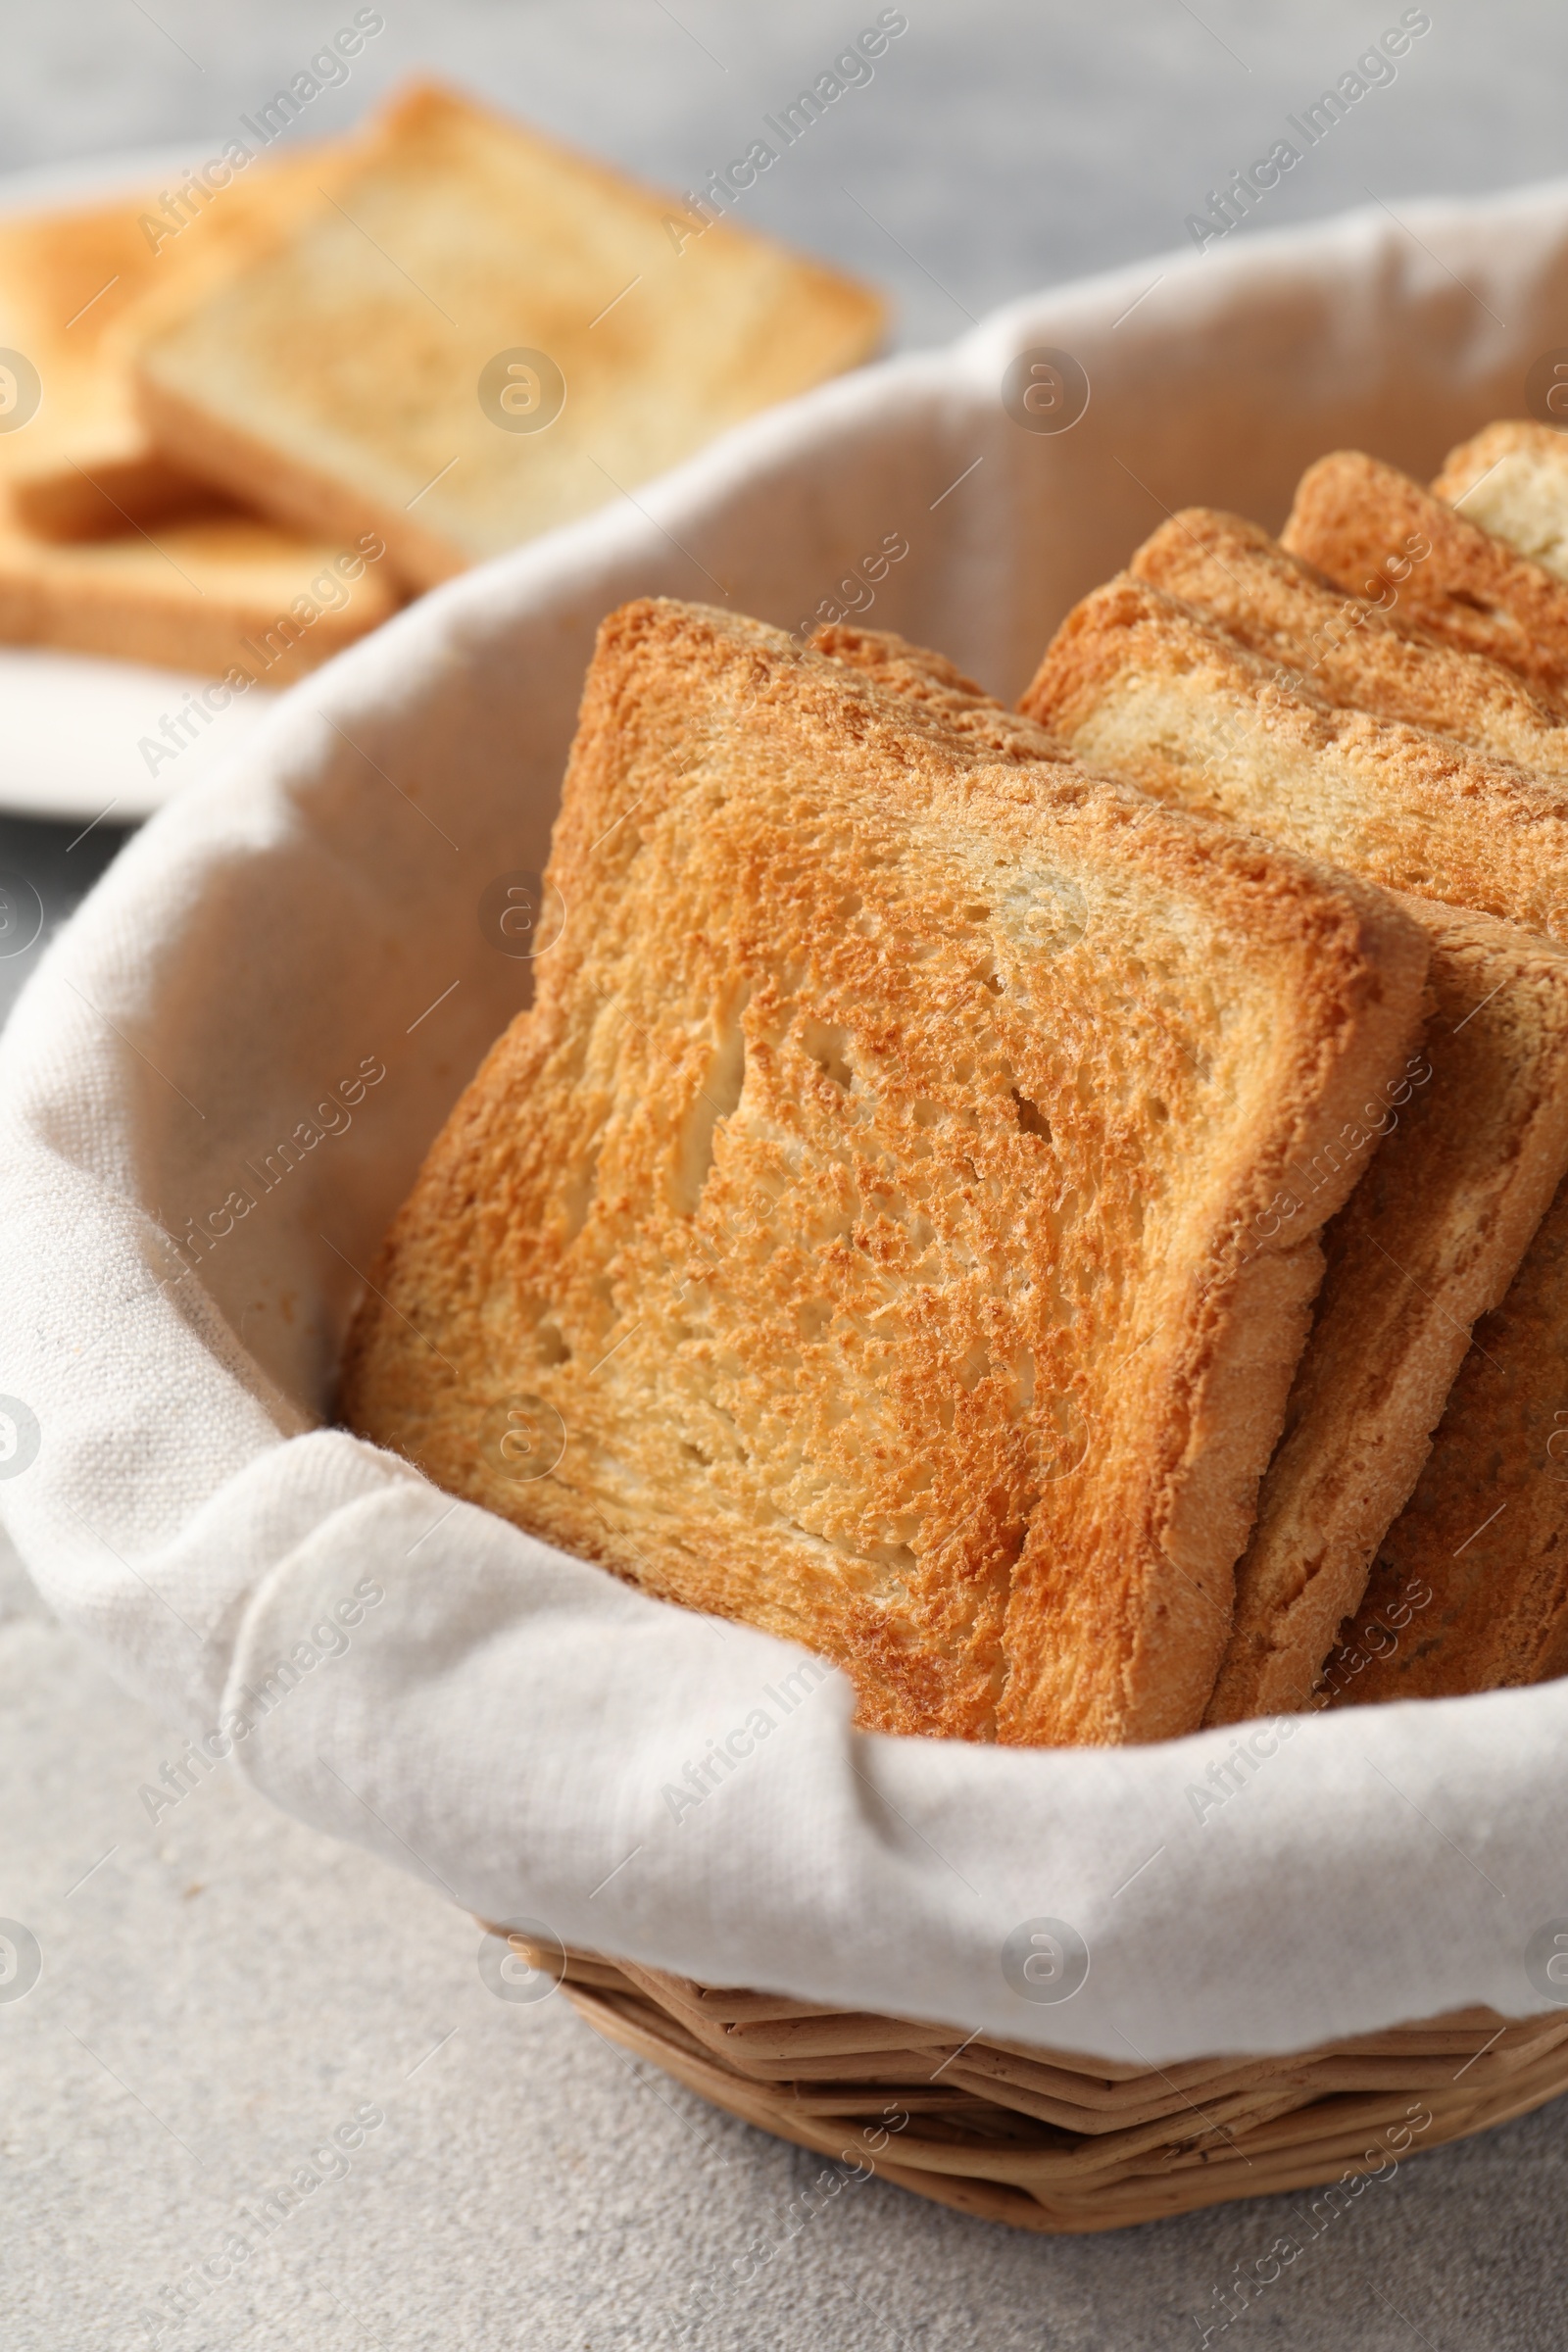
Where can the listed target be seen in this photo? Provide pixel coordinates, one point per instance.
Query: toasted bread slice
(1473, 1147)
(1345, 645)
(1371, 528)
(359, 378)
(860, 1235)
(1470, 1589)
(1139, 685)
(1512, 479)
(940, 688)
(1474, 1141)
(211, 593)
(77, 288)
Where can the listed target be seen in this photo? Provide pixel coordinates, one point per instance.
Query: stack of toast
(1062, 1211)
(242, 420)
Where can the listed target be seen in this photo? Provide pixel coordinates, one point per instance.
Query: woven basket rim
(1058, 2141)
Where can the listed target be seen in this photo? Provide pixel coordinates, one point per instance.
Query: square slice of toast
(1368, 526)
(1470, 1588)
(211, 593)
(1461, 1156)
(1347, 647)
(79, 288)
(1152, 692)
(1512, 479)
(860, 1233)
(1140, 685)
(1468, 1152)
(484, 336)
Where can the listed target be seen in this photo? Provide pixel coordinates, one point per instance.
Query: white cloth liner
(506, 1720)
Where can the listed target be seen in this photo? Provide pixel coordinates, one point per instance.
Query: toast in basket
(1141, 685)
(1512, 479)
(1484, 1537)
(1359, 520)
(872, 1213)
(1351, 648)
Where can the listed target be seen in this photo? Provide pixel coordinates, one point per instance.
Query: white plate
(72, 730)
(70, 724)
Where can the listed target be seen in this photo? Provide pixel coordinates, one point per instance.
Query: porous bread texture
(868, 1208)
(940, 689)
(1140, 686)
(1355, 518)
(337, 383)
(1470, 1589)
(1512, 479)
(1125, 682)
(1461, 1156)
(213, 592)
(1347, 647)
(1472, 1145)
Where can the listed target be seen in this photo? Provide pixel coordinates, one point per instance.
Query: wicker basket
(1054, 2142)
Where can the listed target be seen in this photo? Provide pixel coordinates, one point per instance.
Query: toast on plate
(867, 1233)
(483, 336)
(77, 289)
(214, 594)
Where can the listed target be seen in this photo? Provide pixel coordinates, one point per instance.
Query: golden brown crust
(938, 687)
(1512, 479)
(218, 591)
(1140, 686)
(1473, 1147)
(1470, 1589)
(1396, 804)
(843, 1192)
(1347, 647)
(1365, 524)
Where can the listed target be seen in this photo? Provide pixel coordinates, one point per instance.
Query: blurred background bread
(433, 340)
(482, 336)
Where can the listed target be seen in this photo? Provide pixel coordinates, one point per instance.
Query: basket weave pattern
(1054, 2142)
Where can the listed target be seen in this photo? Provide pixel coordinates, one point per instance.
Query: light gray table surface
(222, 1989)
